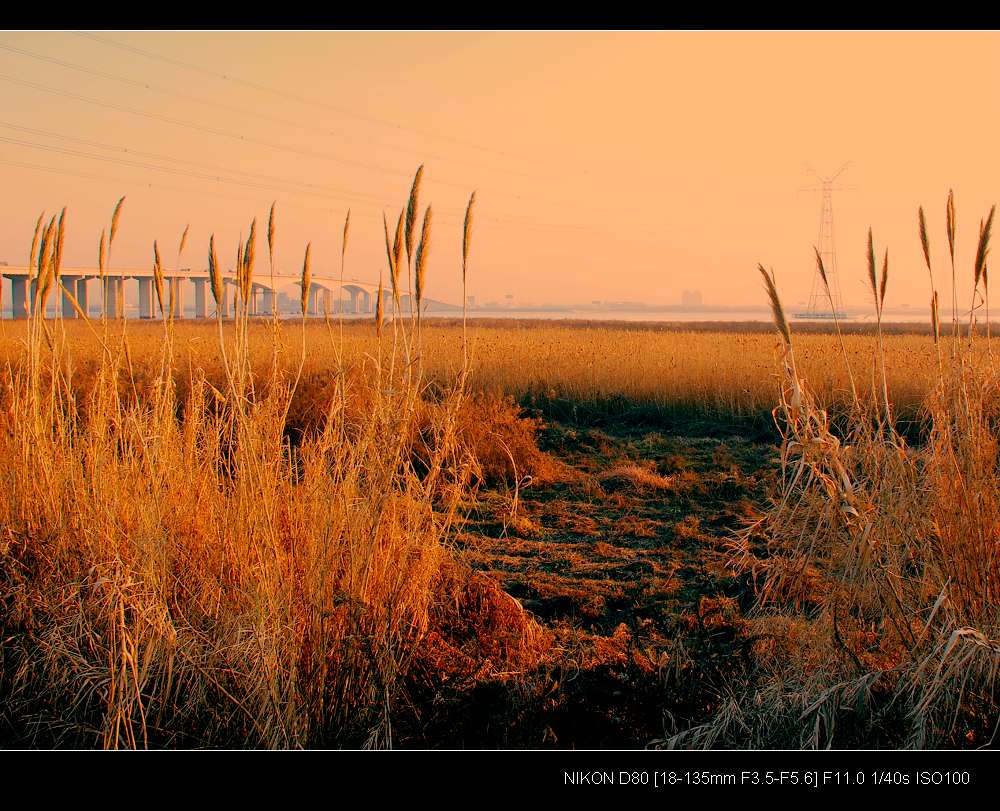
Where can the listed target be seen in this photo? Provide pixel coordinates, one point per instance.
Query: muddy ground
(621, 555)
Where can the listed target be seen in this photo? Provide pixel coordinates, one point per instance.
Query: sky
(608, 166)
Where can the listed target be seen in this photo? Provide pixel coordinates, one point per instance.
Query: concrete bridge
(326, 292)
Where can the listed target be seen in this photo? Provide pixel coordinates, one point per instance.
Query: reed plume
(389, 257)
(115, 220)
(347, 229)
(158, 277)
(466, 239)
(950, 227)
(102, 254)
(411, 211)
(343, 254)
(776, 309)
(237, 293)
(306, 281)
(924, 243)
(215, 274)
(45, 267)
(821, 268)
(885, 278)
(34, 247)
(422, 250)
(249, 256)
(57, 253)
(42, 259)
(115, 216)
(872, 280)
(271, 232)
(397, 253)
(271, 237)
(983, 248)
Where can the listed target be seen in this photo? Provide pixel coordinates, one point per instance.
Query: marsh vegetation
(399, 532)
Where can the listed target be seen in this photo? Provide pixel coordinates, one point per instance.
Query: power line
(369, 202)
(200, 128)
(108, 179)
(347, 194)
(269, 144)
(151, 166)
(315, 190)
(105, 178)
(299, 124)
(249, 139)
(299, 99)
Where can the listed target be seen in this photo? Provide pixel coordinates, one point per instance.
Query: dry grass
(634, 476)
(240, 533)
(720, 374)
(877, 621)
(200, 550)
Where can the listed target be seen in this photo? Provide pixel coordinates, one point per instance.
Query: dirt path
(622, 559)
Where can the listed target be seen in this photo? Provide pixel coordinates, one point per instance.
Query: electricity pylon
(819, 302)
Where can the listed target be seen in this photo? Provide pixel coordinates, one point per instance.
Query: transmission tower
(819, 301)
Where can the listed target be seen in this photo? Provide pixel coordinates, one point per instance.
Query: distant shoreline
(848, 327)
(806, 327)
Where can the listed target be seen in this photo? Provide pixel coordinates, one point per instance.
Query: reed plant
(876, 565)
(180, 568)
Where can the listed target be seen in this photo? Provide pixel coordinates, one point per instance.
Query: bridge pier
(177, 297)
(224, 304)
(146, 303)
(81, 295)
(32, 294)
(200, 298)
(114, 295)
(67, 288)
(18, 297)
(325, 295)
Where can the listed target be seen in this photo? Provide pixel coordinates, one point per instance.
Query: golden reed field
(402, 532)
(721, 371)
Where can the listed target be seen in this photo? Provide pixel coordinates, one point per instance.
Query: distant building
(691, 298)
(471, 301)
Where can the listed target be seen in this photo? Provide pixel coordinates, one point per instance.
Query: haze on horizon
(608, 165)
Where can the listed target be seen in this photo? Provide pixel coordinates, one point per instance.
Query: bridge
(326, 292)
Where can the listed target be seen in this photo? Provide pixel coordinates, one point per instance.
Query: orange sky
(610, 166)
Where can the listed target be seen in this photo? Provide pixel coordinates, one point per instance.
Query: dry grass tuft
(180, 568)
(636, 477)
(877, 622)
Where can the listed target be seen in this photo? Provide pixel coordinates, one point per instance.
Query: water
(761, 314)
(731, 315)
